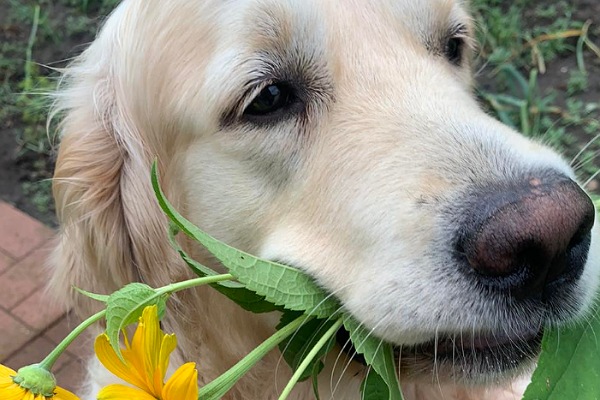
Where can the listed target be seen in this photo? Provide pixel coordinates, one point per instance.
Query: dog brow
(283, 49)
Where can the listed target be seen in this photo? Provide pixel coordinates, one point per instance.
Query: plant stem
(217, 388)
(29, 51)
(49, 361)
(309, 358)
(190, 283)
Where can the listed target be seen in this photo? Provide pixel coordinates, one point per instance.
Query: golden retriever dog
(341, 137)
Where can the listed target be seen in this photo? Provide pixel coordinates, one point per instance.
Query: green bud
(36, 379)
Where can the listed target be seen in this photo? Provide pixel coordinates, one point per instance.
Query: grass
(520, 42)
(514, 55)
(32, 28)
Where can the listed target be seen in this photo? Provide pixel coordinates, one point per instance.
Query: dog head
(342, 138)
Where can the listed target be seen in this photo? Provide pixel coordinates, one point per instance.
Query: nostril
(575, 256)
(527, 237)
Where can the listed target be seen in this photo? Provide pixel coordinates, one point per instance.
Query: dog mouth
(471, 357)
(464, 357)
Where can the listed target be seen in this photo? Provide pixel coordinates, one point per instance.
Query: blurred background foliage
(537, 68)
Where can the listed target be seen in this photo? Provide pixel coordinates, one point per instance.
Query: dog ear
(111, 229)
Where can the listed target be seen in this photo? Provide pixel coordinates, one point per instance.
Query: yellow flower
(146, 362)
(43, 386)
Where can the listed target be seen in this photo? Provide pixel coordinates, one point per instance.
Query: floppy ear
(111, 228)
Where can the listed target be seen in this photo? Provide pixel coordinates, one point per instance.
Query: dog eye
(271, 99)
(454, 50)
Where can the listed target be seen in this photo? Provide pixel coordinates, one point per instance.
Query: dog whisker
(591, 178)
(308, 317)
(583, 149)
(347, 365)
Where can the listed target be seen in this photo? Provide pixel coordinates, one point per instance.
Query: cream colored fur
(391, 124)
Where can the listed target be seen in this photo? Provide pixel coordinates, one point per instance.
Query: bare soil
(16, 165)
(558, 71)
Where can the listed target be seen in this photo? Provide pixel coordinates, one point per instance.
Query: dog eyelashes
(271, 103)
(271, 99)
(454, 50)
(455, 45)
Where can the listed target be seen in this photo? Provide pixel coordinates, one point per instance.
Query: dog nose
(526, 237)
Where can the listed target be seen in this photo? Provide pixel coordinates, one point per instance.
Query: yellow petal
(111, 361)
(8, 389)
(137, 341)
(153, 337)
(134, 355)
(146, 346)
(6, 374)
(12, 392)
(63, 394)
(138, 355)
(121, 392)
(5, 371)
(146, 357)
(183, 385)
(169, 343)
(135, 363)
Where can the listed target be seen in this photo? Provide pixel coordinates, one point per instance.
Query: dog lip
(470, 348)
(450, 343)
(474, 359)
(452, 346)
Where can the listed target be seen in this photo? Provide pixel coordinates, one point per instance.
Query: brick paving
(30, 325)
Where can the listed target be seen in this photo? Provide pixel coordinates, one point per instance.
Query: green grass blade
(514, 75)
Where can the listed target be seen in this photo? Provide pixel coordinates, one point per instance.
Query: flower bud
(36, 379)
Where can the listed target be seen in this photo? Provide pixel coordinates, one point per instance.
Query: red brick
(23, 278)
(5, 261)
(13, 335)
(34, 352)
(72, 376)
(19, 233)
(37, 312)
(82, 347)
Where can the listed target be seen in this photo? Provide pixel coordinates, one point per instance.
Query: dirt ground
(18, 167)
(556, 75)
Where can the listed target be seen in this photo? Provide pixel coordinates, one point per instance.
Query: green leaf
(324, 341)
(297, 346)
(379, 355)
(373, 387)
(235, 291)
(125, 307)
(569, 365)
(99, 297)
(279, 284)
(199, 269)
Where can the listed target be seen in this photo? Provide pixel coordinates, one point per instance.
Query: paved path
(30, 325)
